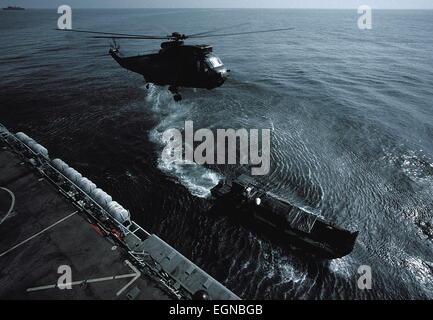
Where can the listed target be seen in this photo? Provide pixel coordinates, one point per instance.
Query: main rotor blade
(215, 30)
(135, 38)
(115, 34)
(239, 33)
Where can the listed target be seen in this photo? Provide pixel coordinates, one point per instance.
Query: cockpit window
(214, 62)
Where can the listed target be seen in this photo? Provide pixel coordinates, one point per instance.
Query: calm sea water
(352, 135)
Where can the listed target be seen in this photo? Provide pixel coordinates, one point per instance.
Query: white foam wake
(196, 178)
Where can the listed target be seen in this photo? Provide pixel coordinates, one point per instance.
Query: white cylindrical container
(86, 185)
(60, 165)
(37, 148)
(23, 137)
(101, 197)
(73, 174)
(118, 212)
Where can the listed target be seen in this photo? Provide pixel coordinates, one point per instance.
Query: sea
(351, 119)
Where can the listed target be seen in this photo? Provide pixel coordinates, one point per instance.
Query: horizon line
(227, 8)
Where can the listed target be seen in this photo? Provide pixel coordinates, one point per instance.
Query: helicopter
(176, 64)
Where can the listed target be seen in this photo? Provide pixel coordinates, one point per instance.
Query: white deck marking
(137, 275)
(37, 234)
(74, 283)
(51, 286)
(12, 204)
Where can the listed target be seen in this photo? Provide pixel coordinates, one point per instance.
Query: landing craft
(281, 220)
(176, 64)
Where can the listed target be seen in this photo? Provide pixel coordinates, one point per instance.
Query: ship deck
(41, 231)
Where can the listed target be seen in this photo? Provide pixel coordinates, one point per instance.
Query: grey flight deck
(30, 257)
(44, 230)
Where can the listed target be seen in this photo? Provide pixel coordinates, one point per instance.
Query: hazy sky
(379, 4)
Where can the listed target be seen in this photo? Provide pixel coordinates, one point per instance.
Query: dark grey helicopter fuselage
(177, 65)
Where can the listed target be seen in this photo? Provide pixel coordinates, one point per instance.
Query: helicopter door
(204, 68)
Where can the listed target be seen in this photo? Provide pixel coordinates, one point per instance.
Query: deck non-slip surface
(43, 232)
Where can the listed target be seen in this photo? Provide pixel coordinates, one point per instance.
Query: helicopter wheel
(177, 97)
(147, 85)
